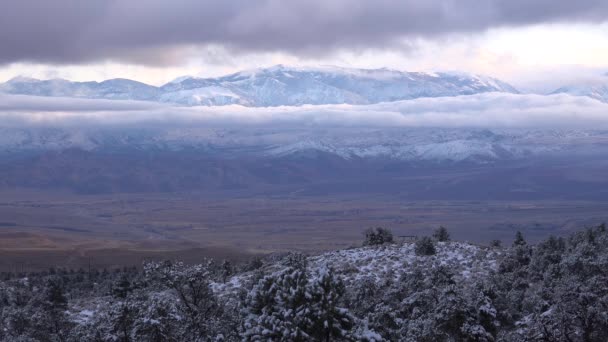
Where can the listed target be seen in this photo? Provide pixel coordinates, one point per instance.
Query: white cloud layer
(493, 110)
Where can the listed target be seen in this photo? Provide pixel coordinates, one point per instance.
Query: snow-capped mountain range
(289, 86)
(275, 86)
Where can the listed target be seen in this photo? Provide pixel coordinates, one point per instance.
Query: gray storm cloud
(150, 31)
(491, 110)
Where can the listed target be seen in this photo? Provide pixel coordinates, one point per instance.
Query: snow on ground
(464, 259)
(353, 265)
(380, 262)
(83, 316)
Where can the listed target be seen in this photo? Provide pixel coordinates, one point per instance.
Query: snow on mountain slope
(281, 85)
(274, 86)
(596, 88)
(117, 89)
(432, 144)
(438, 144)
(18, 140)
(594, 91)
(456, 150)
(205, 96)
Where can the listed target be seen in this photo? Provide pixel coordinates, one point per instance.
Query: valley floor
(39, 230)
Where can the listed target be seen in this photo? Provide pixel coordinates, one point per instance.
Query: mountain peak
(596, 89)
(277, 67)
(180, 79)
(23, 79)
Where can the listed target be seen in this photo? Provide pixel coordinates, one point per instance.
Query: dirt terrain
(43, 229)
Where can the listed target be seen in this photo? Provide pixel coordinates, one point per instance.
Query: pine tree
(158, 319)
(49, 319)
(291, 307)
(122, 287)
(330, 321)
(227, 270)
(519, 239)
(277, 308)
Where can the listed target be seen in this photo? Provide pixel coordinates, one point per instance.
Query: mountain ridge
(274, 86)
(282, 85)
(595, 91)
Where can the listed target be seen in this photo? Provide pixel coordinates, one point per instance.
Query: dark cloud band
(149, 31)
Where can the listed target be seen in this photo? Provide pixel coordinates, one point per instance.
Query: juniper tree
(441, 234)
(425, 246)
(196, 301)
(377, 236)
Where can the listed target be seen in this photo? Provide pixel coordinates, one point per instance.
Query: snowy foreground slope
(389, 262)
(465, 260)
(556, 290)
(372, 266)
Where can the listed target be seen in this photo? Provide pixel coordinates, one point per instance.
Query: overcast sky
(534, 44)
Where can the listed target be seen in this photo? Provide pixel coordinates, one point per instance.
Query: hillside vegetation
(429, 290)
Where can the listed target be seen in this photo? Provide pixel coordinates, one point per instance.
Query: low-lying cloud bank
(493, 110)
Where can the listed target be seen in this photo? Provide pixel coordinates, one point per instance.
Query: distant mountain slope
(422, 163)
(280, 85)
(405, 144)
(594, 91)
(274, 86)
(115, 89)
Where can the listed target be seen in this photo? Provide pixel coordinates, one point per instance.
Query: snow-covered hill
(389, 262)
(274, 86)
